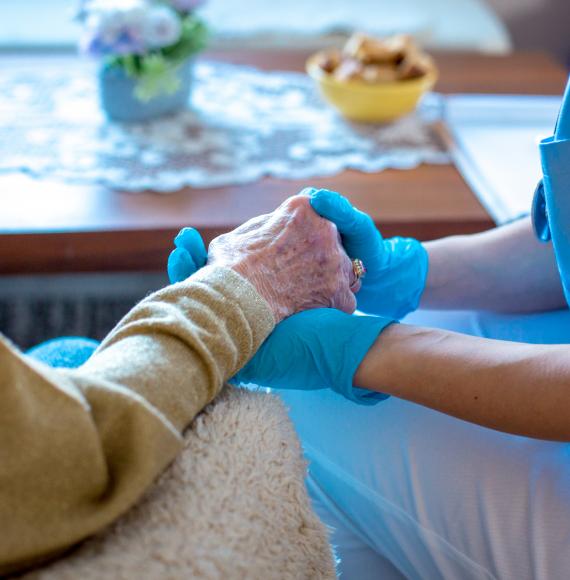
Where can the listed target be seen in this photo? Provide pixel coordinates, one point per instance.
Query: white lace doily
(243, 124)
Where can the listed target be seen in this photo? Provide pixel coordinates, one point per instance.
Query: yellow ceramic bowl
(367, 102)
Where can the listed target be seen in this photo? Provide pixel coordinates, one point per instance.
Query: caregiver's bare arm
(505, 269)
(513, 387)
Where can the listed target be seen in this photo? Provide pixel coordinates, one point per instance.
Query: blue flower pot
(119, 102)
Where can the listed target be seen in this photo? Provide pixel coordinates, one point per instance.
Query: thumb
(355, 226)
(189, 239)
(180, 265)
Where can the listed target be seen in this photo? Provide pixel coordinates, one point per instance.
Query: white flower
(129, 26)
(162, 27)
(116, 27)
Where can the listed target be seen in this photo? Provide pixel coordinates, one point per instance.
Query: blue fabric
(67, 352)
(562, 131)
(316, 349)
(551, 205)
(417, 486)
(555, 157)
(396, 268)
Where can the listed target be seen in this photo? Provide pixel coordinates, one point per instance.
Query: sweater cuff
(235, 288)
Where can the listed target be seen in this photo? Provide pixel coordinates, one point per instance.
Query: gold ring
(358, 269)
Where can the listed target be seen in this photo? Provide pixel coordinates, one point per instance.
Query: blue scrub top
(551, 205)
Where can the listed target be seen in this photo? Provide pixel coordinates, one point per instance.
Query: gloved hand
(316, 349)
(396, 268)
(189, 255)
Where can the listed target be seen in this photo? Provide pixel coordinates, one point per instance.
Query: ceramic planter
(119, 102)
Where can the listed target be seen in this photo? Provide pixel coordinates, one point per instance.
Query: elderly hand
(396, 268)
(292, 256)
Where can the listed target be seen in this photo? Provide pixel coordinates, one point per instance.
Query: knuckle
(300, 203)
(345, 208)
(330, 230)
(290, 202)
(325, 230)
(368, 220)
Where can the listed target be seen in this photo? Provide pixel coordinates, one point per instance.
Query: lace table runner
(243, 124)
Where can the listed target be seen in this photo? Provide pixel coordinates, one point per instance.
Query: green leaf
(158, 76)
(193, 39)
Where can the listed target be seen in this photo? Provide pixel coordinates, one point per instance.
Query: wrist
(379, 368)
(391, 365)
(362, 333)
(395, 287)
(422, 258)
(413, 265)
(258, 281)
(449, 277)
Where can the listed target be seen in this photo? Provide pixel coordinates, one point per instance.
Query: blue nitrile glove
(316, 349)
(396, 268)
(188, 256)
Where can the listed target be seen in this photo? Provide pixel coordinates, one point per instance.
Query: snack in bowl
(374, 80)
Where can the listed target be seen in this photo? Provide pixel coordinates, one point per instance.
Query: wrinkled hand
(316, 349)
(396, 268)
(292, 256)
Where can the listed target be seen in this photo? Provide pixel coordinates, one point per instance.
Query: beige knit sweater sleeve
(78, 447)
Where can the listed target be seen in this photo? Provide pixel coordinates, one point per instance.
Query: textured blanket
(233, 505)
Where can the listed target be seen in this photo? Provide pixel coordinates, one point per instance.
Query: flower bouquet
(145, 47)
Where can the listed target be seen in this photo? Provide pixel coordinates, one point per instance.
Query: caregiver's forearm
(517, 388)
(505, 269)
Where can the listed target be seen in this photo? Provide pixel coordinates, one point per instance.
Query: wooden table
(47, 227)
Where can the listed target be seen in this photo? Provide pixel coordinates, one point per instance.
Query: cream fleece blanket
(233, 505)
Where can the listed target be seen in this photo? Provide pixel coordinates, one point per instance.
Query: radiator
(37, 308)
